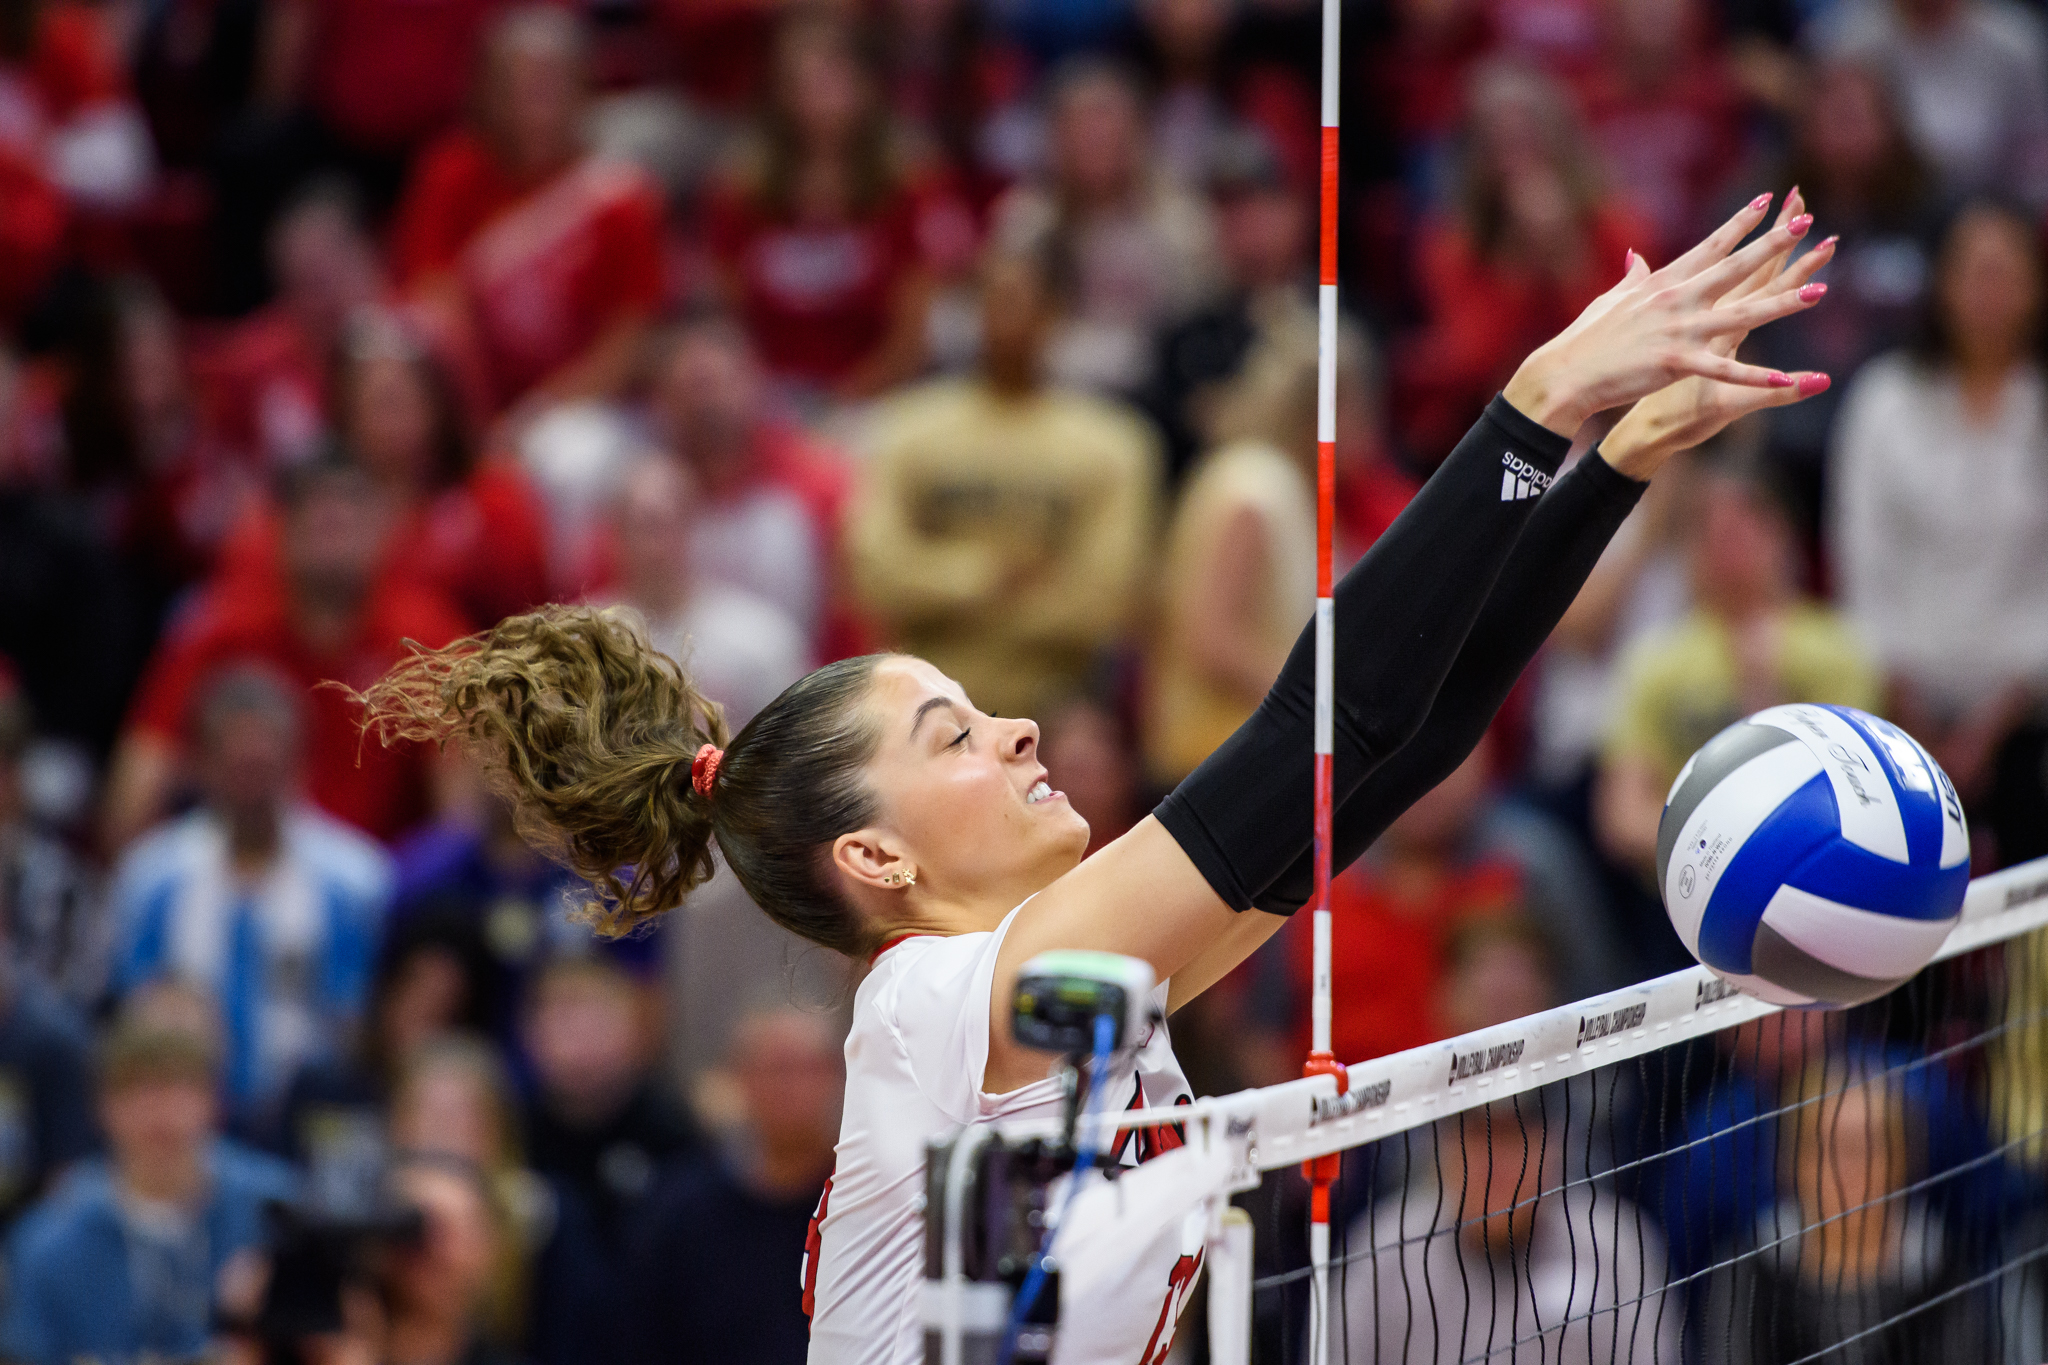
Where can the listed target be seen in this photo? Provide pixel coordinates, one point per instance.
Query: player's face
(965, 792)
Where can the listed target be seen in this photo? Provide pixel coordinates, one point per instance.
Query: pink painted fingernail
(1809, 292)
(1798, 226)
(1628, 260)
(1780, 380)
(1760, 203)
(1811, 384)
(1831, 241)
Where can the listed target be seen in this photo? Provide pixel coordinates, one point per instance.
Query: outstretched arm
(1403, 617)
(1563, 542)
(1164, 891)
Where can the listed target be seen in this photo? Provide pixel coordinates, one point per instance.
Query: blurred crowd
(982, 329)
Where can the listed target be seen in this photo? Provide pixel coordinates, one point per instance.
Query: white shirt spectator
(738, 646)
(1135, 271)
(742, 650)
(1582, 1285)
(286, 952)
(763, 542)
(1974, 88)
(1940, 529)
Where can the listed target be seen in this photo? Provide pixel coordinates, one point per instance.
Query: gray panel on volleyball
(1782, 962)
(1722, 755)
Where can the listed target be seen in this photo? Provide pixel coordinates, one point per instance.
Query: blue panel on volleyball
(1813, 855)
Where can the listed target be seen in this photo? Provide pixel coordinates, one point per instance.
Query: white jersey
(914, 1065)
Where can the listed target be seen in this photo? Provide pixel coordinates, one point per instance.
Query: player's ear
(868, 857)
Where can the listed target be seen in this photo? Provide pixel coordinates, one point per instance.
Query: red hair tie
(704, 769)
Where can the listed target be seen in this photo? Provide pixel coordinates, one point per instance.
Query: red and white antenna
(1322, 1171)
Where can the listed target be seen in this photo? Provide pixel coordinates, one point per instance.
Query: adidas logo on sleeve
(1519, 479)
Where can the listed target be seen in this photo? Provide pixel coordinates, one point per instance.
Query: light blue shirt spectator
(286, 951)
(95, 1274)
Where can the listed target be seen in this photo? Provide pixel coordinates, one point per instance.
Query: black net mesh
(1855, 1187)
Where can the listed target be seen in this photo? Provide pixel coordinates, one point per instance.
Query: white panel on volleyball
(1722, 823)
(1868, 807)
(1280, 1125)
(1863, 942)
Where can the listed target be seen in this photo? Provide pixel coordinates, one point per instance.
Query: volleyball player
(872, 809)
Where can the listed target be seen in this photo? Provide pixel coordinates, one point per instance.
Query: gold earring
(900, 879)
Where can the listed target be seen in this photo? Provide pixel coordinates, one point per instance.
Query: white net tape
(1282, 1125)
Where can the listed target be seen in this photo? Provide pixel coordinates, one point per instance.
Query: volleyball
(1813, 856)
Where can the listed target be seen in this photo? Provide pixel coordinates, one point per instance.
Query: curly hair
(591, 733)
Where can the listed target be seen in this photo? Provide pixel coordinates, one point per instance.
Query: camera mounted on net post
(987, 1198)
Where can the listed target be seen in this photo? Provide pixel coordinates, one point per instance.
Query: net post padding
(1282, 1125)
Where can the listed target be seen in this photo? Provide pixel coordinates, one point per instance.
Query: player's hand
(1657, 327)
(1682, 415)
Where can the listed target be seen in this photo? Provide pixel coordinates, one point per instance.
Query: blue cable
(1084, 1161)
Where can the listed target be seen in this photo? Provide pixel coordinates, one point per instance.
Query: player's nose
(1022, 742)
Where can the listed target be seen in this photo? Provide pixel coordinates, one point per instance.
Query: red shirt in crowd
(1368, 500)
(263, 388)
(1421, 71)
(478, 546)
(1559, 35)
(1275, 101)
(482, 543)
(1673, 146)
(179, 517)
(1387, 952)
(719, 49)
(817, 298)
(1485, 315)
(32, 218)
(543, 270)
(73, 62)
(387, 74)
(244, 619)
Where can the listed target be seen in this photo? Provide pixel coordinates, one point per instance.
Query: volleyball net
(1670, 1172)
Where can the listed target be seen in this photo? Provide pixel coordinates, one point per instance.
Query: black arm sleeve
(1549, 565)
(1401, 616)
